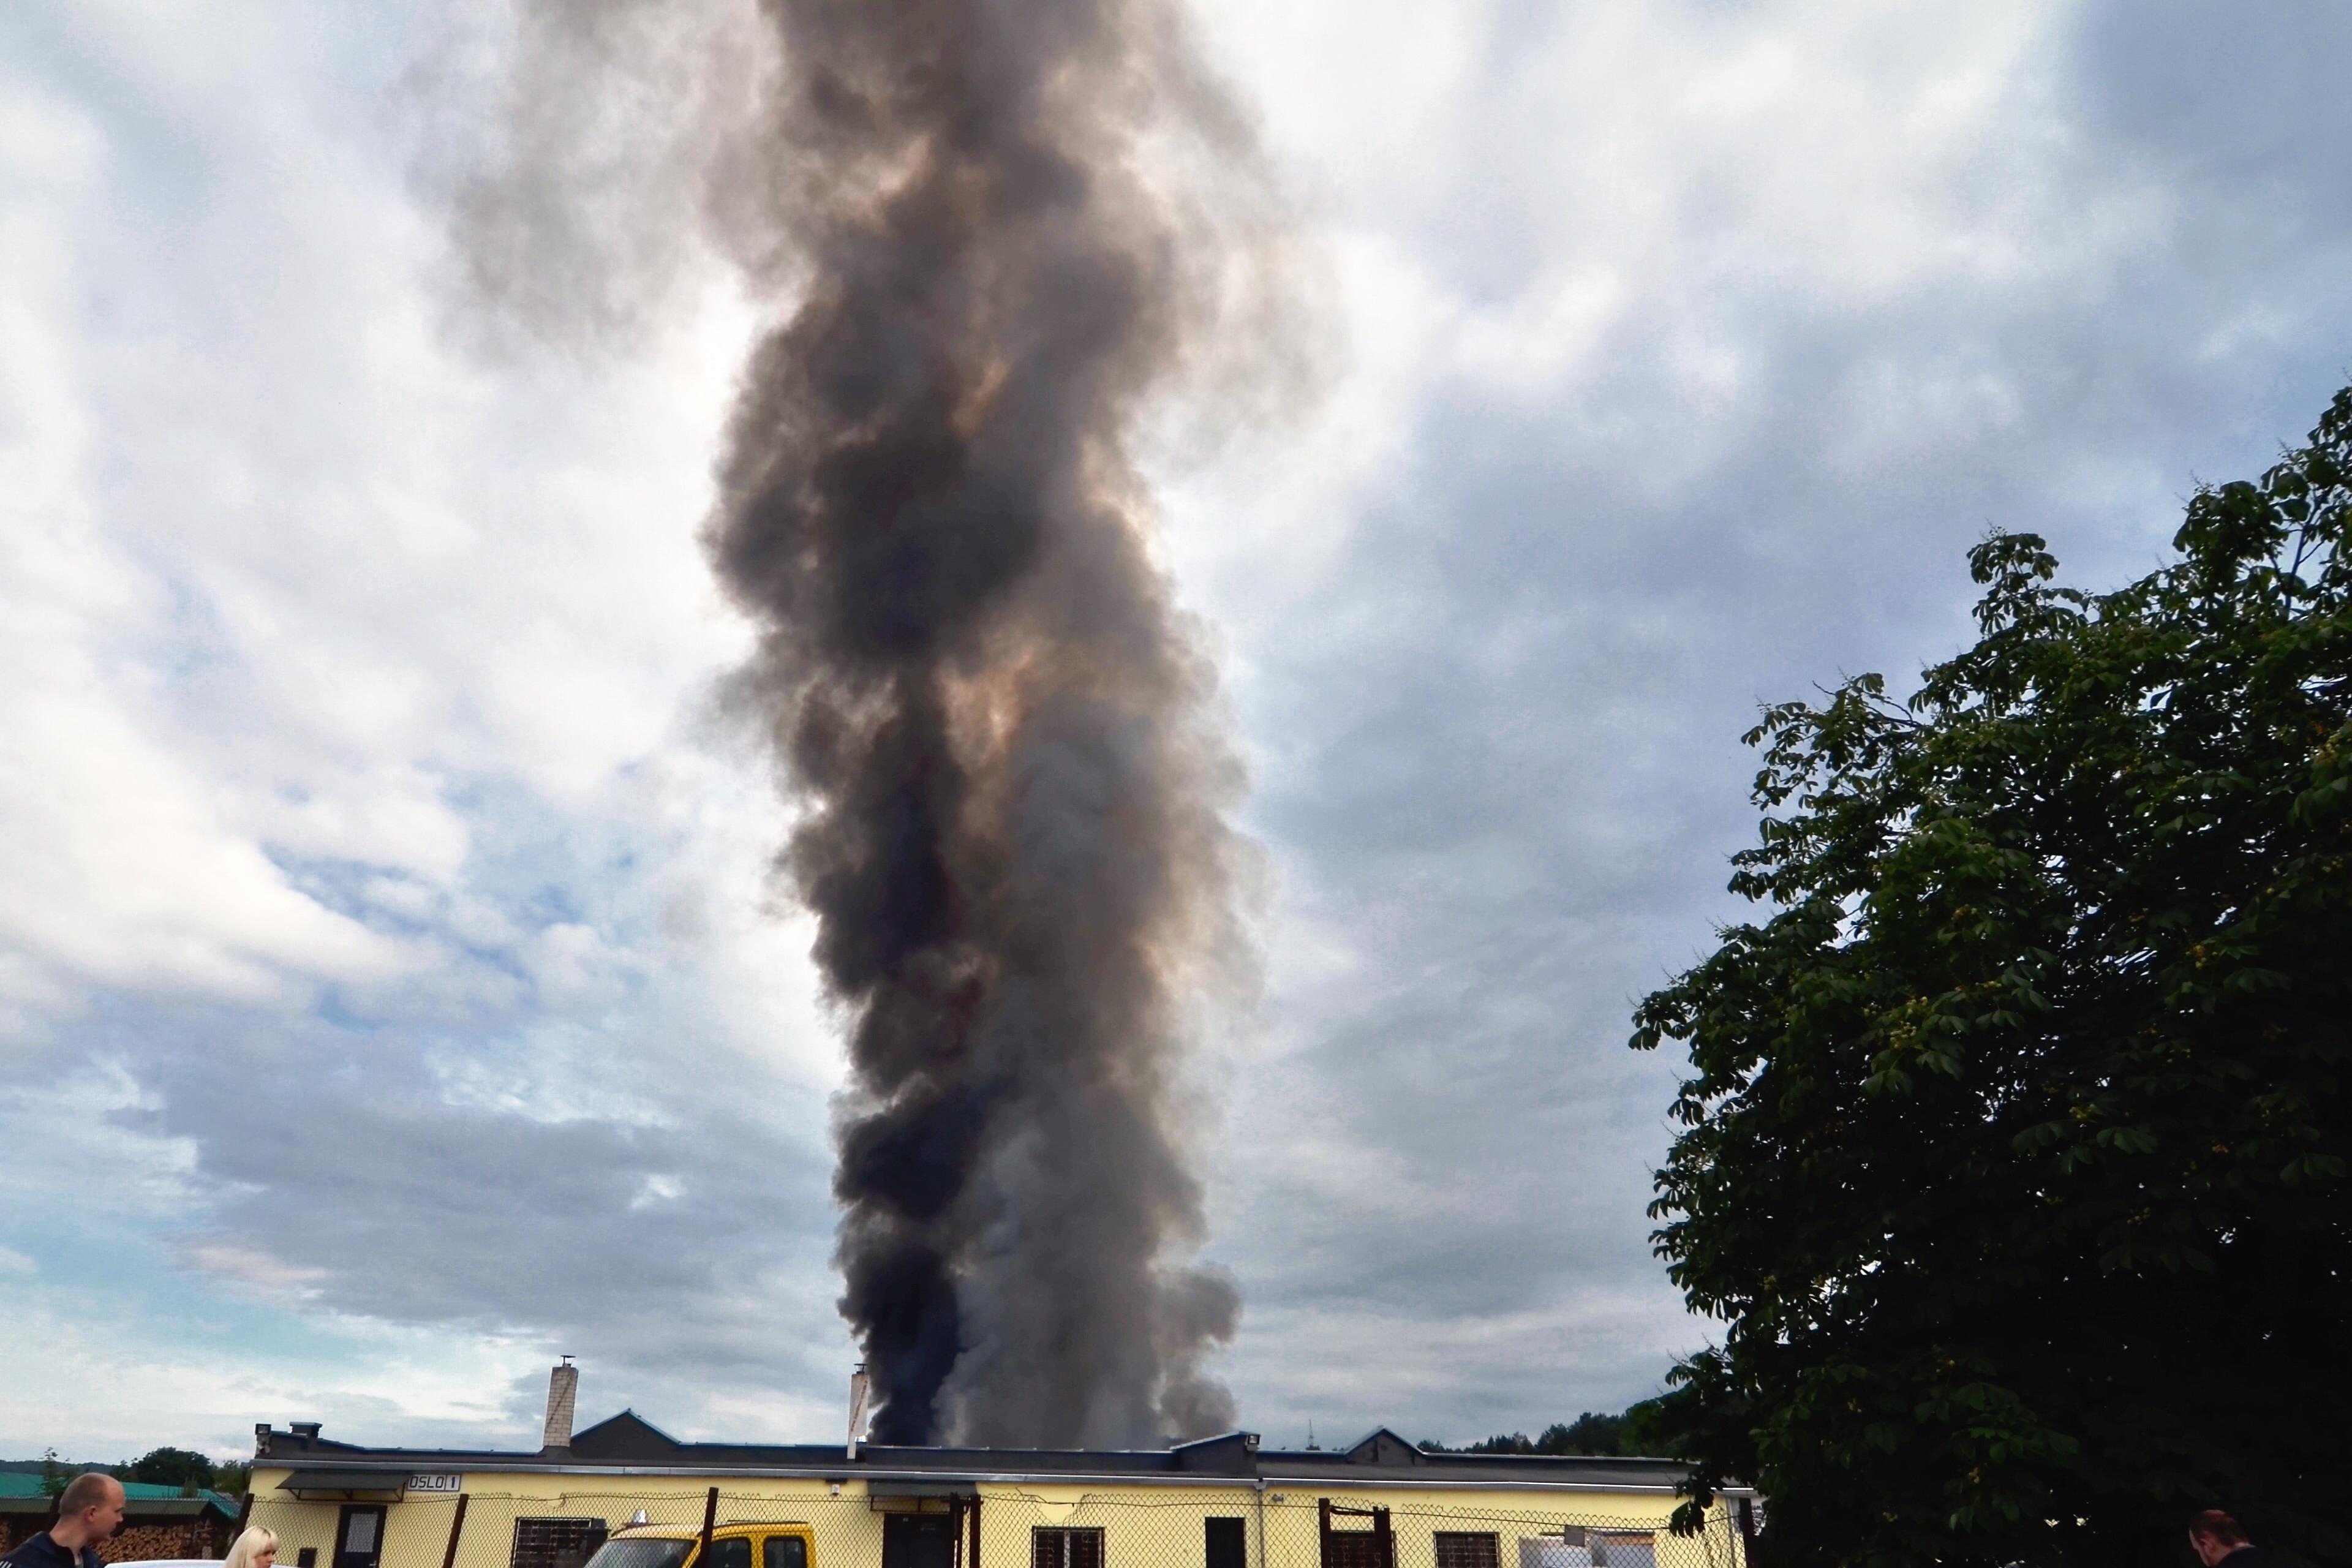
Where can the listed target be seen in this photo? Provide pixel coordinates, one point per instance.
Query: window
(1228, 1543)
(1065, 1548)
(556, 1543)
(783, 1552)
(1468, 1549)
(642, 1552)
(735, 1552)
(1625, 1548)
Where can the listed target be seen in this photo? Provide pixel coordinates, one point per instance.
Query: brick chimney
(563, 1389)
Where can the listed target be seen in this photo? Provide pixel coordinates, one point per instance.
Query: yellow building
(1223, 1502)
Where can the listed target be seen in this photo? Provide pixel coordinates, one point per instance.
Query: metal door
(358, 1535)
(919, 1540)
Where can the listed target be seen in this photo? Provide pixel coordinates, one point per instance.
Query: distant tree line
(1640, 1430)
(182, 1468)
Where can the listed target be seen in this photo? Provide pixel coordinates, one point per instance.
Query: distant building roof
(18, 1487)
(629, 1442)
(21, 1483)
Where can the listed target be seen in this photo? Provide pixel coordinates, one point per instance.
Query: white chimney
(562, 1390)
(858, 1388)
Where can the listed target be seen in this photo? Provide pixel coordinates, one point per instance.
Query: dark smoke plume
(982, 694)
(1004, 228)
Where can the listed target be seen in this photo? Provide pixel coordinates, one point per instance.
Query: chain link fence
(1013, 1526)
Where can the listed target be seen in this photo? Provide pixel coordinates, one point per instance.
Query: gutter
(1345, 1482)
(1059, 1477)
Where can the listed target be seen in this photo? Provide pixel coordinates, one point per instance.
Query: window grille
(1051, 1548)
(1468, 1549)
(556, 1543)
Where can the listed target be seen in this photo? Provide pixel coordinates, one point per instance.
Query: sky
(392, 994)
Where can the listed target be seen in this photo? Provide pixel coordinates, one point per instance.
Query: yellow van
(731, 1546)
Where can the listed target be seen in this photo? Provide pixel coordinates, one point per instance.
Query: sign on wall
(441, 1483)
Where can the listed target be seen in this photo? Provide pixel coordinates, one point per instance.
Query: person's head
(2213, 1535)
(256, 1548)
(89, 1511)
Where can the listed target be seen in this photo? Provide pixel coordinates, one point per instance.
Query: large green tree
(183, 1467)
(2014, 1150)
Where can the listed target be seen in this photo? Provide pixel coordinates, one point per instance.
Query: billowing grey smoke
(1003, 224)
(980, 690)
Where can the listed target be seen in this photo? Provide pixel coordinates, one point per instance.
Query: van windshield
(644, 1552)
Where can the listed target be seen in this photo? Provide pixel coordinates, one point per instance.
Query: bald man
(89, 1511)
(2217, 1540)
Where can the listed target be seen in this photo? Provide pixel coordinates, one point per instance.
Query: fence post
(456, 1524)
(974, 1561)
(709, 1519)
(1386, 1549)
(1746, 1512)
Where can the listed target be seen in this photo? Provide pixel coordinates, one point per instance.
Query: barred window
(1065, 1548)
(556, 1543)
(1468, 1549)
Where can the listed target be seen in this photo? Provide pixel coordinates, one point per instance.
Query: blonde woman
(256, 1548)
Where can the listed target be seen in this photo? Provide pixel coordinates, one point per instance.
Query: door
(1227, 1542)
(358, 1535)
(1349, 1547)
(919, 1540)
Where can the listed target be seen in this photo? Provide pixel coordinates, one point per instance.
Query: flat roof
(628, 1443)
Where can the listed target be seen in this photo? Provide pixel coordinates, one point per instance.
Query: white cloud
(372, 856)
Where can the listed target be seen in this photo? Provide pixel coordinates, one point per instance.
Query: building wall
(1144, 1524)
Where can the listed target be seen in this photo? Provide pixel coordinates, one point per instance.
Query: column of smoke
(978, 689)
(983, 699)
